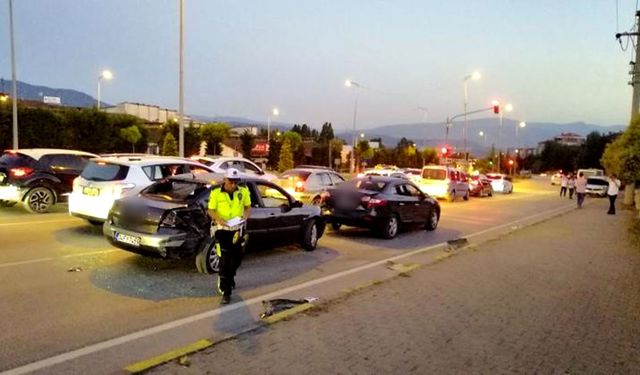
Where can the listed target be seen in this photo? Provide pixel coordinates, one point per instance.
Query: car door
(403, 202)
(65, 168)
(420, 211)
(259, 218)
(282, 218)
(251, 169)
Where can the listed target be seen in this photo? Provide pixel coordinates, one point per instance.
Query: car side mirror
(260, 172)
(285, 207)
(296, 204)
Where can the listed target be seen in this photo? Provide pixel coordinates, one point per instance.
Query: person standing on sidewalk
(612, 193)
(563, 185)
(581, 189)
(229, 203)
(571, 185)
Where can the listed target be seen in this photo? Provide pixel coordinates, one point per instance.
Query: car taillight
(299, 186)
(20, 172)
(373, 202)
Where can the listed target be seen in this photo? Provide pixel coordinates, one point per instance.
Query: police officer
(227, 202)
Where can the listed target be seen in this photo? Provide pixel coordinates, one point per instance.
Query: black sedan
(380, 203)
(169, 219)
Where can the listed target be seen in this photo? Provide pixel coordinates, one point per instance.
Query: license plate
(91, 191)
(125, 238)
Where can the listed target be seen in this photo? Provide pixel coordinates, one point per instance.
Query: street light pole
(104, 75)
(180, 85)
(522, 124)
(425, 113)
(14, 90)
(475, 76)
(352, 165)
(275, 112)
(484, 136)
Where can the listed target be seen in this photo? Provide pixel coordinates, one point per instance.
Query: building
(147, 112)
(565, 139)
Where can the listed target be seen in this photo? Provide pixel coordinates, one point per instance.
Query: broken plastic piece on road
(281, 304)
(457, 243)
(75, 269)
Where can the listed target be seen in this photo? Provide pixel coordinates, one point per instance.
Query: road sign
(51, 100)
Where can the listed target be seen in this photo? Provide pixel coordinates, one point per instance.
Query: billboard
(51, 100)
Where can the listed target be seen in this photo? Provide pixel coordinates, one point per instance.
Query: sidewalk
(561, 296)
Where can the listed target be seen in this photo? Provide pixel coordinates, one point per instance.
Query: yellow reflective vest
(225, 206)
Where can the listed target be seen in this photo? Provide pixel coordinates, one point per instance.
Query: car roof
(309, 170)
(37, 153)
(211, 178)
(218, 158)
(381, 178)
(144, 161)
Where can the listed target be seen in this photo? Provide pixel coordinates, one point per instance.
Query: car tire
(336, 226)
(491, 192)
(39, 200)
(451, 196)
(466, 196)
(432, 220)
(95, 222)
(391, 227)
(207, 261)
(310, 235)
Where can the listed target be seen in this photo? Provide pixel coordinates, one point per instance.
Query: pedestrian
(612, 193)
(563, 185)
(229, 204)
(581, 189)
(571, 185)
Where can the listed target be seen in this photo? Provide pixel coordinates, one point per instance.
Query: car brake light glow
(299, 186)
(373, 202)
(20, 172)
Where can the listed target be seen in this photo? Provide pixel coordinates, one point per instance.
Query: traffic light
(496, 107)
(443, 150)
(510, 162)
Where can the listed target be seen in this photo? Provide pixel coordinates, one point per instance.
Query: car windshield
(174, 190)
(14, 159)
(366, 184)
(103, 171)
(300, 175)
(597, 181)
(494, 176)
(434, 174)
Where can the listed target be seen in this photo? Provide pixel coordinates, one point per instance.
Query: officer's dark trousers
(230, 259)
(612, 204)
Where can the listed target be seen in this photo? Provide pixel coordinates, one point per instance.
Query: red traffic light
(510, 162)
(443, 150)
(496, 108)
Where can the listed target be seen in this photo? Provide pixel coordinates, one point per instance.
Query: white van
(444, 182)
(591, 172)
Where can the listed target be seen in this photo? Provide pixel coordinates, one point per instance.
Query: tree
(294, 138)
(131, 135)
(286, 157)
(214, 134)
(429, 156)
(169, 146)
(247, 140)
(326, 134)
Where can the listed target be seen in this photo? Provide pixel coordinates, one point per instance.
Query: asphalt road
(63, 287)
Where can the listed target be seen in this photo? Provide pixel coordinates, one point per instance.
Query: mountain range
(423, 134)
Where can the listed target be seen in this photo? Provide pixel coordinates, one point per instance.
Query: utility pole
(14, 91)
(635, 101)
(181, 85)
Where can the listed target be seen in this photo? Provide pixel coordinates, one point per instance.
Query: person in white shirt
(581, 188)
(612, 193)
(563, 185)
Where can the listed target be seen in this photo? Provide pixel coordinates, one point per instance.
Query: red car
(480, 186)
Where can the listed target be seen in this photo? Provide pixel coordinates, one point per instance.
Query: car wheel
(451, 197)
(336, 226)
(491, 192)
(95, 222)
(316, 201)
(432, 221)
(207, 260)
(390, 228)
(310, 236)
(39, 200)
(466, 196)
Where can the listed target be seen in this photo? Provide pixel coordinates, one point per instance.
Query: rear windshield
(174, 190)
(434, 174)
(366, 184)
(300, 175)
(597, 181)
(494, 177)
(102, 171)
(12, 159)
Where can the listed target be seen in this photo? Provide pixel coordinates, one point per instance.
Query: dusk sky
(556, 61)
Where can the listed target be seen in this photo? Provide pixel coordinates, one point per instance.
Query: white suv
(106, 179)
(219, 164)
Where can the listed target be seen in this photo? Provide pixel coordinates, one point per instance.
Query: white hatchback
(219, 164)
(104, 180)
(500, 183)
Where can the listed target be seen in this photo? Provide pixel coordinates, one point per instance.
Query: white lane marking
(25, 262)
(68, 356)
(38, 222)
(39, 260)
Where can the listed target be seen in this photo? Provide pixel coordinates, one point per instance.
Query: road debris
(75, 269)
(281, 304)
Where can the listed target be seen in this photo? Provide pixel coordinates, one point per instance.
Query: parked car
(597, 186)
(414, 174)
(39, 177)
(308, 184)
(444, 182)
(106, 179)
(591, 172)
(169, 218)
(556, 178)
(382, 204)
(480, 186)
(501, 183)
(219, 164)
(392, 172)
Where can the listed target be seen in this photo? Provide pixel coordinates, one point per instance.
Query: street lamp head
(350, 83)
(278, 133)
(275, 111)
(361, 135)
(508, 107)
(495, 102)
(475, 75)
(481, 133)
(522, 124)
(106, 75)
